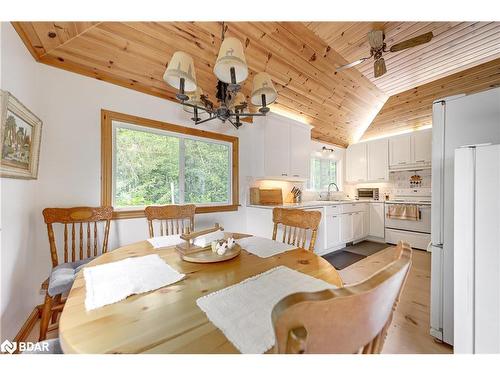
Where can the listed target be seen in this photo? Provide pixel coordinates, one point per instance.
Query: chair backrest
(172, 219)
(83, 223)
(353, 319)
(296, 224)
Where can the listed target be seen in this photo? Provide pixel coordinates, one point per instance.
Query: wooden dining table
(168, 319)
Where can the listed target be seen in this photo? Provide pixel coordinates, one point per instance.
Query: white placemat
(165, 241)
(243, 311)
(112, 282)
(263, 247)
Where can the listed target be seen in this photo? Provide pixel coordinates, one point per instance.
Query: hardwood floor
(409, 333)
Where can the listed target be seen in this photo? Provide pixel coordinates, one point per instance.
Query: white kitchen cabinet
(357, 225)
(346, 232)
(400, 154)
(332, 231)
(277, 149)
(300, 151)
(282, 149)
(422, 147)
(378, 160)
(356, 161)
(376, 213)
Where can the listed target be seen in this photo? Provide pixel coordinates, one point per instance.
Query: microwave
(368, 193)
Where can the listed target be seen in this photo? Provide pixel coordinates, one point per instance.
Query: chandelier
(231, 70)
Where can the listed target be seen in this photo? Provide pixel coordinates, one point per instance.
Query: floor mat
(342, 259)
(366, 248)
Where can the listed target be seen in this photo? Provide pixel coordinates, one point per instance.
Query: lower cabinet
(357, 225)
(333, 231)
(377, 224)
(346, 232)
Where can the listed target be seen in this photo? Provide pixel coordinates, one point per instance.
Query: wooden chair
(83, 223)
(296, 224)
(171, 219)
(352, 319)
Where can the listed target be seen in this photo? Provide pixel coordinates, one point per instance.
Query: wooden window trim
(107, 118)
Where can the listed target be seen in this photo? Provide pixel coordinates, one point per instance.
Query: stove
(416, 232)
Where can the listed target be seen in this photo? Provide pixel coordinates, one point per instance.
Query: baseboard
(28, 325)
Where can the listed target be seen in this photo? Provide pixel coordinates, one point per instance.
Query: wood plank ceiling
(135, 54)
(413, 108)
(417, 76)
(301, 59)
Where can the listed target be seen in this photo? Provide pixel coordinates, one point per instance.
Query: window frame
(336, 172)
(108, 159)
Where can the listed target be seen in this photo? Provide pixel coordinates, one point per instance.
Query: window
(146, 162)
(323, 171)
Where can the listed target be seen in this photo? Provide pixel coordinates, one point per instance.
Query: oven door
(423, 225)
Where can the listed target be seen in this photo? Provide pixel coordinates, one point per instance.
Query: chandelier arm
(232, 123)
(207, 119)
(249, 114)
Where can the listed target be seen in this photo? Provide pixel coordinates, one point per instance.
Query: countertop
(310, 204)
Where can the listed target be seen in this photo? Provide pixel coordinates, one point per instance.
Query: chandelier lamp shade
(231, 70)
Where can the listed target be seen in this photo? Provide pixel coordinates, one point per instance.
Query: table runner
(243, 311)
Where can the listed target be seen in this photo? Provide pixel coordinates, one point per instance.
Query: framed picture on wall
(20, 133)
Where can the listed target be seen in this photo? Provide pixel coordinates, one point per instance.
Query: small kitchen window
(147, 162)
(323, 172)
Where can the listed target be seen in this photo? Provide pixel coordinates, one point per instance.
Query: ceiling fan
(378, 47)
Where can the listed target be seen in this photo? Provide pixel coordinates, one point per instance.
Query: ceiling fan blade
(350, 65)
(376, 39)
(413, 42)
(379, 68)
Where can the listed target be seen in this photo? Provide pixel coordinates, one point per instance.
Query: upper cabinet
(422, 147)
(371, 161)
(400, 151)
(300, 151)
(367, 161)
(281, 148)
(356, 162)
(378, 160)
(411, 151)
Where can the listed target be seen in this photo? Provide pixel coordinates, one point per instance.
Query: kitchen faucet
(329, 185)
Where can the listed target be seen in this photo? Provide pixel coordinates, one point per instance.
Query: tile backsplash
(397, 180)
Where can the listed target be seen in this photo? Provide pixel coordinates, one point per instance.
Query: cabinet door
(377, 220)
(332, 230)
(345, 228)
(422, 147)
(378, 160)
(300, 148)
(277, 149)
(357, 225)
(356, 162)
(400, 151)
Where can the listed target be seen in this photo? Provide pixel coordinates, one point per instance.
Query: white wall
(18, 245)
(69, 174)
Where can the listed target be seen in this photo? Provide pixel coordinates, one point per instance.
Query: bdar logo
(8, 347)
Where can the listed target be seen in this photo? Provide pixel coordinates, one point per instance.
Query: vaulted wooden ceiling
(300, 57)
(135, 54)
(413, 108)
(455, 46)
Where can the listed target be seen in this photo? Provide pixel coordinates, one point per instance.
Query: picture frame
(20, 134)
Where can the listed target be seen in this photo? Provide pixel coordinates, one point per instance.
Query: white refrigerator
(456, 121)
(477, 250)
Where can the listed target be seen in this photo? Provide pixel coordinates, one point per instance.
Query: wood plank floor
(409, 332)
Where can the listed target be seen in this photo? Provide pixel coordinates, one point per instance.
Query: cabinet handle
(296, 175)
(284, 174)
(381, 178)
(360, 179)
(402, 162)
(420, 161)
